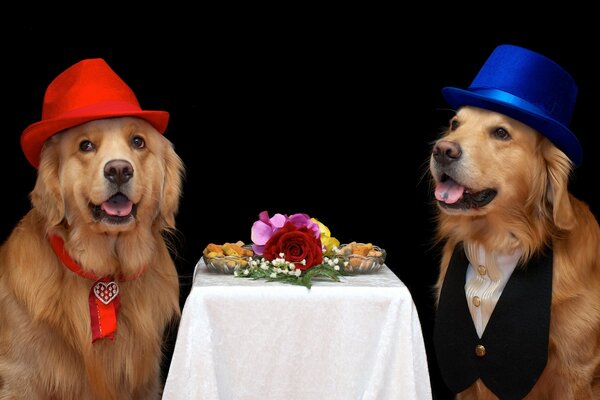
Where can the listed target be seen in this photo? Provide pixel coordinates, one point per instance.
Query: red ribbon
(103, 314)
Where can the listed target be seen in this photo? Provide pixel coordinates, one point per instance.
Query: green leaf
(305, 279)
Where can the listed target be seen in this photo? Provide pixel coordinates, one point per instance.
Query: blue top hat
(528, 87)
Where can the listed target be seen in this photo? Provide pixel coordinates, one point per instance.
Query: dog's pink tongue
(449, 191)
(118, 205)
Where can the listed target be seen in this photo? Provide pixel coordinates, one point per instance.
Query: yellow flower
(327, 240)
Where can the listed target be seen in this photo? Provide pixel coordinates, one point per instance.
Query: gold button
(481, 270)
(476, 301)
(480, 350)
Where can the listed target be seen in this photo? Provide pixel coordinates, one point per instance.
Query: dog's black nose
(445, 151)
(118, 171)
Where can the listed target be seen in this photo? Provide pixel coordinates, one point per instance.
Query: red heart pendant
(106, 292)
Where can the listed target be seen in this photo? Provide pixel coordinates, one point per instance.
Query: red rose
(296, 244)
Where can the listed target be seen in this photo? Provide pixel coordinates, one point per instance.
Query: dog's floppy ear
(46, 196)
(174, 172)
(559, 168)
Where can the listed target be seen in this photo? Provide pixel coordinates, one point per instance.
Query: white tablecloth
(241, 339)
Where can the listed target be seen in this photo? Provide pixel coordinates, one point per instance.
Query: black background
(329, 113)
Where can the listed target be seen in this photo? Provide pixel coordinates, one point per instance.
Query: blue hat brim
(498, 101)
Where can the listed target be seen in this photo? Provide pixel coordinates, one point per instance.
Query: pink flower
(265, 227)
(303, 220)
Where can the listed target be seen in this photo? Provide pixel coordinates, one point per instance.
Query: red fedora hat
(86, 91)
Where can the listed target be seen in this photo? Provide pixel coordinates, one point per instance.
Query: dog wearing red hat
(518, 296)
(87, 283)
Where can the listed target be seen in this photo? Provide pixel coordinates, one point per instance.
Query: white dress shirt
(486, 278)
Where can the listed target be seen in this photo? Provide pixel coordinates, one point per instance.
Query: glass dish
(371, 262)
(225, 264)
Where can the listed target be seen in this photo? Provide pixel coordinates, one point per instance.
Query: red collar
(58, 245)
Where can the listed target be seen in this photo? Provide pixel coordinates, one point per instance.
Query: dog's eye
(86, 146)
(138, 142)
(501, 134)
(454, 124)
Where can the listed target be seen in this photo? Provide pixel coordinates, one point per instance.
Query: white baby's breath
(282, 270)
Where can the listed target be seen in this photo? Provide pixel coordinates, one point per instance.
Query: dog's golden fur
(532, 209)
(46, 351)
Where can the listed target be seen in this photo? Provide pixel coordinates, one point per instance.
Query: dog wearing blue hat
(518, 295)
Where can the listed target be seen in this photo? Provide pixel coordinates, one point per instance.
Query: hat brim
(556, 132)
(35, 135)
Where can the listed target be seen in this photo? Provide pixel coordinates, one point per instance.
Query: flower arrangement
(292, 249)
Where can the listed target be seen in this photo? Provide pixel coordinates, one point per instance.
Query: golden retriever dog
(109, 189)
(502, 189)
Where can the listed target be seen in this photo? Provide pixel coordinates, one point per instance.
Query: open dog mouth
(451, 194)
(118, 209)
